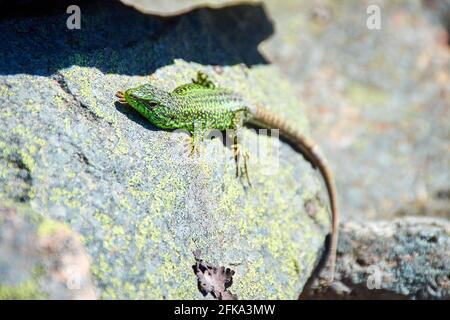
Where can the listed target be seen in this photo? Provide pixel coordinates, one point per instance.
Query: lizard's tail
(311, 151)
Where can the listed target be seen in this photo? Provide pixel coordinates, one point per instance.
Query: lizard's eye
(152, 105)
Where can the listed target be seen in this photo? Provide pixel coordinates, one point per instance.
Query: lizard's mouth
(121, 96)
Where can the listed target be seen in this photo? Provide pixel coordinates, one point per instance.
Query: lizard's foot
(203, 80)
(325, 276)
(326, 280)
(239, 153)
(191, 148)
(121, 96)
(196, 150)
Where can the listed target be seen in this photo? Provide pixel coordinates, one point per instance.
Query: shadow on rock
(116, 38)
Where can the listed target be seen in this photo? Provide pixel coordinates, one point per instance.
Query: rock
(378, 100)
(172, 7)
(440, 11)
(141, 204)
(41, 258)
(405, 258)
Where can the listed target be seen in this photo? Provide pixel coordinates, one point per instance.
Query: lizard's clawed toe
(121, 96)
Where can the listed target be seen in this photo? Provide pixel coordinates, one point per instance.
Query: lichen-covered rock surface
(142, 205)
(41, 258)
(406, 258)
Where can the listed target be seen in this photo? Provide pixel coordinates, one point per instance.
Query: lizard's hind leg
(203, 80)
(238, 154)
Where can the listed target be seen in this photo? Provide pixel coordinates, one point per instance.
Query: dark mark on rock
(212, 279)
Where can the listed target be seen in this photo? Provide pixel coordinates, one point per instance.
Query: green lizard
(200, 106)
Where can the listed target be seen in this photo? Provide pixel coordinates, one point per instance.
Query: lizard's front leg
(195, 140)
(191, 146)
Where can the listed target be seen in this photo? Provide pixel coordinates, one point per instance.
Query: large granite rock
(71, 152)
(406, 258)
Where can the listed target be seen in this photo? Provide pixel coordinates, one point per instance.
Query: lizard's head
(154, 104)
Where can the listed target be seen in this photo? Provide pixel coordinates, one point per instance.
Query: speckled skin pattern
(210, 108)
(200, 106)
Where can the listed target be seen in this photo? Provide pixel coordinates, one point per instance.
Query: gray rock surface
(406, 258)
(172, 7)
(41, 258)
(71, 152)
(378, 100)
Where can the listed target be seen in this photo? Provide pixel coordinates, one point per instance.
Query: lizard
(201, 105)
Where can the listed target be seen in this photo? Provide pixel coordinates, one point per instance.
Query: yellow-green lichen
(360, 95)
(49, 227)
(82, 79)
(23, 291)
(70, 198)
